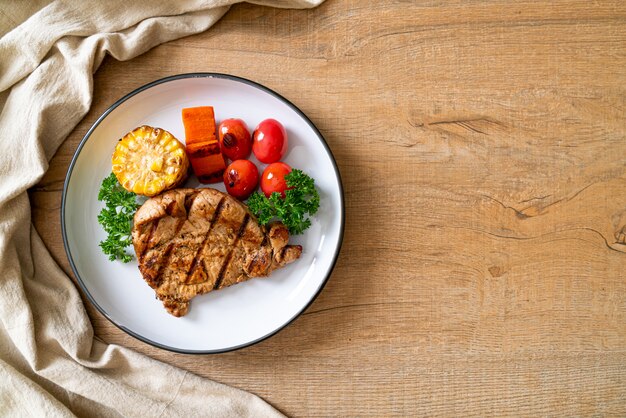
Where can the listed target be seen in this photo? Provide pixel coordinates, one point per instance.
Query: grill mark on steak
(200, 240)
(203, 289)
(156, 282)
(167, 255)
(194, 264)
(158, 245)
(153, 227)
(189, 200)
(169, 209)
(242, 228)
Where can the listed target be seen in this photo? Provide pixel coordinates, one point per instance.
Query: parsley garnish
(300, 202)
(116, 218)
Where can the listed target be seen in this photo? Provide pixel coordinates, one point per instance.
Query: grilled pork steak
(192, 241)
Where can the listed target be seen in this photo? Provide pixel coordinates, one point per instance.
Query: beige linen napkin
(50, 364)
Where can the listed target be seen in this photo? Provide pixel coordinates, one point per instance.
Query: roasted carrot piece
(207, 161)
(199, 124)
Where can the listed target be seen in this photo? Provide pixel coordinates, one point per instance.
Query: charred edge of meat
(278, 235)
(242, 229)
(288, 254)
(176, 306)
(195, 261)
(259, 264)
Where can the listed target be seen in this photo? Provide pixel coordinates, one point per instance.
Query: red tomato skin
(235, 140)
(269, 142)
(273, 179)
(241, 178)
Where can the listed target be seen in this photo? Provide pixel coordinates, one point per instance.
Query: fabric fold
(50, 363)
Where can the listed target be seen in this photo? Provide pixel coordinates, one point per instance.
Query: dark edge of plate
(165, 80)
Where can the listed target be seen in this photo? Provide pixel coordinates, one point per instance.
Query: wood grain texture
(482, 147)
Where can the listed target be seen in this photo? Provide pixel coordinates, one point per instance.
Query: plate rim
(166, 80)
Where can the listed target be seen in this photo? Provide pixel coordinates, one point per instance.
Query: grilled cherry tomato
(234, 137)
(241, 178)
(269, 142)
(273, 179)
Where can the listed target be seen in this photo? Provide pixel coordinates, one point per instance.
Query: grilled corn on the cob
(149, 160)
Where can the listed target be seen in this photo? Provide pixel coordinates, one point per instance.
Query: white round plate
(227, 319)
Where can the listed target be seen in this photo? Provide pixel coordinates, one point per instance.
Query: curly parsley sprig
(300, 202)
(116, 218)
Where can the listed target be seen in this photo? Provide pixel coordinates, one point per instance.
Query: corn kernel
(149, 161)
(157, 164)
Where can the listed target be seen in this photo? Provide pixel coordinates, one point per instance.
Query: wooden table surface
(482, 147)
